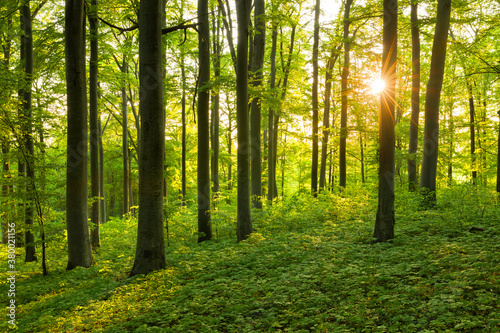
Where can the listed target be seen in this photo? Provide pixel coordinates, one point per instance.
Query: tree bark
(472, 134)
(315, 108)
(79, 249)
(431, 129)
(244, 221)
(150, 250)
(384, 224)
(94, 127)
(271, 148)
(27, 133)
(257, 65)
(215, 118)
(415, 98)
(204, 223)
(125, 149)
(345, 91)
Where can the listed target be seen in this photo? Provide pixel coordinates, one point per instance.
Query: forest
(250, 165)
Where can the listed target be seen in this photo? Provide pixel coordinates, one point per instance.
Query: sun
(377, 85)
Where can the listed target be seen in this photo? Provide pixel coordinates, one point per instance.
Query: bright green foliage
(309, 266)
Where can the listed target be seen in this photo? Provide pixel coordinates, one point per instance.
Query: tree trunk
(94, 127)
(315, 116)
(343, 112)
(204, 224)
(271, 150)
(26, 119)
(415, 98)
(431, 130)
(498, 157)
(5, 190)
(244, 221)
(257, 65)
(472, 137)
(79, 249)
(102, 202)
(384, 224)
(150, 251)
(184, 146)
(215, 118)
(125, 150)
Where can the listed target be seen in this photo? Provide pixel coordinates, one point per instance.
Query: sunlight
(377, 85)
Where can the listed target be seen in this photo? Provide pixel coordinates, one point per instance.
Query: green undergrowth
(309, 266)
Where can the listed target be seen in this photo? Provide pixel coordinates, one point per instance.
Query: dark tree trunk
(26, 119)
(94, 127)
(244, 221)
(384, 224)
(415, 98)
(257, 65)
(315, 108)
(5, 189)
(150, 251)
(362, 157)
(431, 130)
(204, 224)
(271, 150)
(345, 91)
(472, 134)
(125, 149)
(215, 118)
(102, 202)
(79, 249)
(498, 157)
(184, 147)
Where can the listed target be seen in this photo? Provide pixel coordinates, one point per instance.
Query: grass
(309, 266)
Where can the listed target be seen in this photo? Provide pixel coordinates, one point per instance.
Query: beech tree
(315, 106)
(244, 220)
(79, 249)
(432, 97)
(150, 248)
(384, 224)
(204, 224)
(257, 76)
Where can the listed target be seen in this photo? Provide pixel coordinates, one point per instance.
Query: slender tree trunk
(102, 202)
(257, 65)
(244, 221)
(204, 223)
(79, 249)
(431, 130)
(362, 157)
(472, 137)
(94, 127)
(326, 116)
(150, 249)
(125, 149)
(215, 118)
(315, 107)
(498, 157)
(184, 146)
(5, 189)
(415, 98)
(384, 224)
(345, 91)
(271, 150)
(27, 115)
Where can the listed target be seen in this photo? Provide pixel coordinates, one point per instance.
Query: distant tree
(415, 97)
(79, 249)
(315, 106)
(384, 224)
(204, 223)
(150, 249)
(271, 147)
(244, 220)
(257, 75)
(433, 93)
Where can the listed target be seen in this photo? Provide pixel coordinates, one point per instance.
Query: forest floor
(309, 266)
